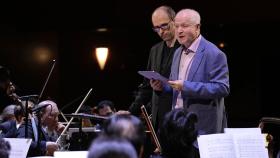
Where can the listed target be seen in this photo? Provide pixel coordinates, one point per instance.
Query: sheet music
(250, 146)
(242, 130)
(216, 145)
(153, 75)
(238, 145)
(19, 147)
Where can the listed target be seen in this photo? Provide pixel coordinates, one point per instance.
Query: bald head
(163, 24)
(164, 12)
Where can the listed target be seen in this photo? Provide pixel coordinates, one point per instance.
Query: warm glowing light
(222, 45)
(42, 54)
(101, 55)
(102, 29)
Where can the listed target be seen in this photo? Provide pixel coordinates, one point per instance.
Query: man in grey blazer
(199, 76)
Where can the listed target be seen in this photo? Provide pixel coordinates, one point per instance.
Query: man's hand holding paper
(157, 81)
(177, 84)
(156, 85)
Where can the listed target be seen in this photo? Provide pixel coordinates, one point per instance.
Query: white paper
(153, 75)
(70, 154)
(19, 147)
(42, 157)
(238, 145)
(242, 130)
(250, 146)
(216, 145)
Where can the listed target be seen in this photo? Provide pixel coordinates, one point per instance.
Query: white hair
(192, 14)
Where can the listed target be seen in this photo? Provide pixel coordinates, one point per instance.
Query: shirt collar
(193, 47)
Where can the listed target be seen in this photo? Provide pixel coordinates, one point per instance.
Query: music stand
(81, 134)
(26, 111)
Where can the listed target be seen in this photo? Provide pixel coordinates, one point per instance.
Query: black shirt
(167, 58)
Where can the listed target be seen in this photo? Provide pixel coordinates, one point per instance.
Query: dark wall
(69, 31)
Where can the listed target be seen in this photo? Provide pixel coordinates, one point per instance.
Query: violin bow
(150, 127)
(46, 82)
(66, 127)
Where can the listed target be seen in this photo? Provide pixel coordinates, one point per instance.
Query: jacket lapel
(159, 57)
(197, 59)
(176, 62)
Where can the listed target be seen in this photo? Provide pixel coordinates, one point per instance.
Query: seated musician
(105, 108)
(8, 113)
(6, 89)
(50, 131)
(13, 116)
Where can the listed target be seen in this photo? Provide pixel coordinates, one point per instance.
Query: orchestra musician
(105, 108)
(13, 116)
(6, 88)
(49, 130)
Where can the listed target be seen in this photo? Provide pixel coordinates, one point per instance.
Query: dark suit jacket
(160, 102)
(9, 129)
(206, 86)
(34, 150)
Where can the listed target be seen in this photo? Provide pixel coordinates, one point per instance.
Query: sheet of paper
(216, 145)
(242, 145)
(153, 75)
(242, 130)
(19, 147)
(70, 154)
(250, 146)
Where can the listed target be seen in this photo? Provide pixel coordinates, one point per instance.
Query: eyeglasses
(163, 26)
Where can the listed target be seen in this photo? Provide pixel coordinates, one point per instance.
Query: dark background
(249, 30)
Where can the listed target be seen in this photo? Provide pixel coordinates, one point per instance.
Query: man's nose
(161, 31)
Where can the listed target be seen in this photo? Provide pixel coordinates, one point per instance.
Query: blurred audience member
(103, 147)
(128, 127)
(178, 135)
(5, 148)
